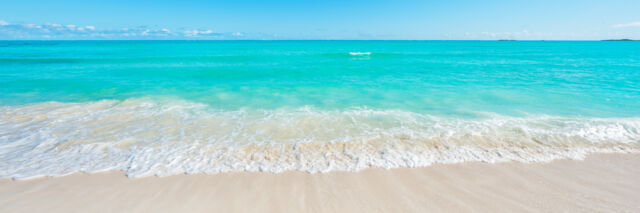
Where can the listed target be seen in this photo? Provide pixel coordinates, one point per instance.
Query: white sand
(601, 183)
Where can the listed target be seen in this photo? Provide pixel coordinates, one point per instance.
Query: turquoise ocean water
(171, 107)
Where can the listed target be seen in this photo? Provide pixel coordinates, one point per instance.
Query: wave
(359, 53)
(109, 60)
(165, 137)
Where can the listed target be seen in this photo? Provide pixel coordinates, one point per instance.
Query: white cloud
(191, 33)
(524, 35)
(632, 24)
(198, 33)
(70, 31)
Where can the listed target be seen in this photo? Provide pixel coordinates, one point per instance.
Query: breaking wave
(152, 137)
(359, 53)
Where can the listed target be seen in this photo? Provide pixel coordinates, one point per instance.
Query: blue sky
(315, 19)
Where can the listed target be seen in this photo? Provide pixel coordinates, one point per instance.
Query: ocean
(174, 107)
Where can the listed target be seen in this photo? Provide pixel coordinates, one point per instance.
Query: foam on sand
(149, 137)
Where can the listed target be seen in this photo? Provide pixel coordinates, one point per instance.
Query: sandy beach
(319, 106)
(600, 183)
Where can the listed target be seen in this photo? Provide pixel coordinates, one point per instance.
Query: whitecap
(359, 53)
(150, 137)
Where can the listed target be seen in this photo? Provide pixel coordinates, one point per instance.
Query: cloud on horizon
(632, 24)
(59, 31)
(49, 31)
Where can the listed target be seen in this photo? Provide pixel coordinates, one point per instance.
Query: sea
(158, 108)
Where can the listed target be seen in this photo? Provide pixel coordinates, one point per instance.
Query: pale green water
(168, 107)
(592, 79)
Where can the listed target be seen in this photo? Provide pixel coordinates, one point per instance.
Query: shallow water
(170, 107)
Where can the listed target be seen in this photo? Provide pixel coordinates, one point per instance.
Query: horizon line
(504, 40)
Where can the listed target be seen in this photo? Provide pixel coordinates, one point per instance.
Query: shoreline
(601, 182)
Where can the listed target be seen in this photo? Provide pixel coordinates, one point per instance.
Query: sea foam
(150, 137)
(359, 53)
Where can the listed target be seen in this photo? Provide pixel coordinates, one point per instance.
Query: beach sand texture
(600, 183)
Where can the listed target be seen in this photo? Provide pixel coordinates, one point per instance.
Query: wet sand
(600, 183)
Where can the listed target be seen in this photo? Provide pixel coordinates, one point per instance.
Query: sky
(321, 19)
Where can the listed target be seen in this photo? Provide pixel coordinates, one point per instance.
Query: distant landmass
(624, 39)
